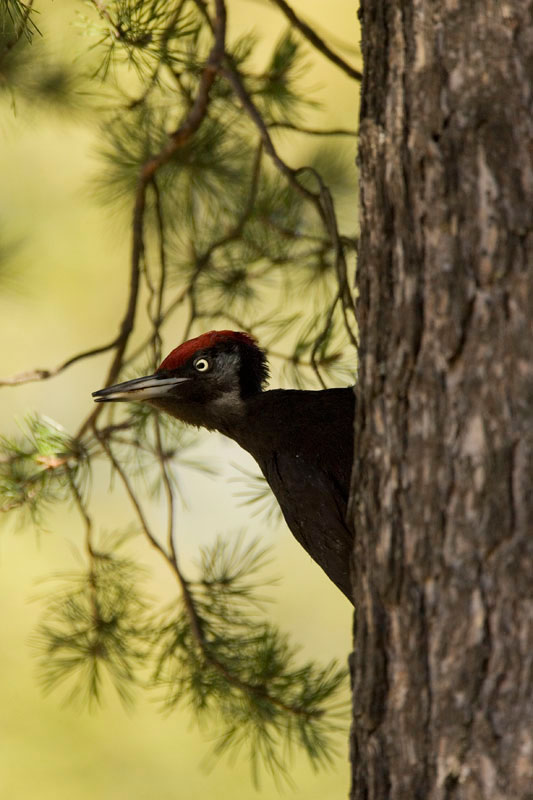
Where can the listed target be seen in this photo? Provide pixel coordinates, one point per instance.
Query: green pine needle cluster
(29, 71)
(227, 663)
(92, 632)
(238, 673)
(243, 672)
(40, 467)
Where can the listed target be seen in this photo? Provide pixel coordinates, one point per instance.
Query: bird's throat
(224, 413)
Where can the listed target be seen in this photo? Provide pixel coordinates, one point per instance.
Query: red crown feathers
(177, 357)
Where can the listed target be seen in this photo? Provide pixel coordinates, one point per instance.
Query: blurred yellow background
(67, 295)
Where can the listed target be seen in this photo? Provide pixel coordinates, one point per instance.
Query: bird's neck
(247, 421)
(255, 423)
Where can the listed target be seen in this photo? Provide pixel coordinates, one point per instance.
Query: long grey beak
(137, 389)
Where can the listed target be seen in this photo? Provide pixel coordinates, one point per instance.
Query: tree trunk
(442, 498)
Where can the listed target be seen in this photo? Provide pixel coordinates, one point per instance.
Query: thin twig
(181, 297)
(316, 41)
(238, 228)
(131, 494)
(169, 557)
(168, 490)
(330, 220)
(84, 513)
(154, 292)
(312, 131)
(44, 374)
(158, 319)
(321, 338)
(234, 79)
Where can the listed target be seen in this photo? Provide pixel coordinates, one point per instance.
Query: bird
(302, 440)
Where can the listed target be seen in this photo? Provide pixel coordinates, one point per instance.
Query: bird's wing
(314, 508)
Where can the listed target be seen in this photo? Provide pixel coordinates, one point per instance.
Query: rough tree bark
(442, 497)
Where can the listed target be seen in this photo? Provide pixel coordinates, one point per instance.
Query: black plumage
(301, 440)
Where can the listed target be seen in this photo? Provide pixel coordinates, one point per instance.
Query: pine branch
(203, 259)
(312, 131)
(44, 374)
(322, 202)
(25, 24)
(248, 104)
(246, 228)
(253, 689)
(316, 41)
(180, 137)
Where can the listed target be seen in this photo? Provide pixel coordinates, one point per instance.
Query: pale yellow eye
(201, 364)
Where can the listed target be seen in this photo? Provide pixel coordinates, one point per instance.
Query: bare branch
(312, 131)
(321, 338)
(235, 80)
(84, 514)
(158, 318)
(238, 228)
(323, 202)
(316, 41)
(171, 545)
(44, 374)
(330, 221)
(131, 494)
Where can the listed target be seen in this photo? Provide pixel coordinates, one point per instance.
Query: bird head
(202, 381)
